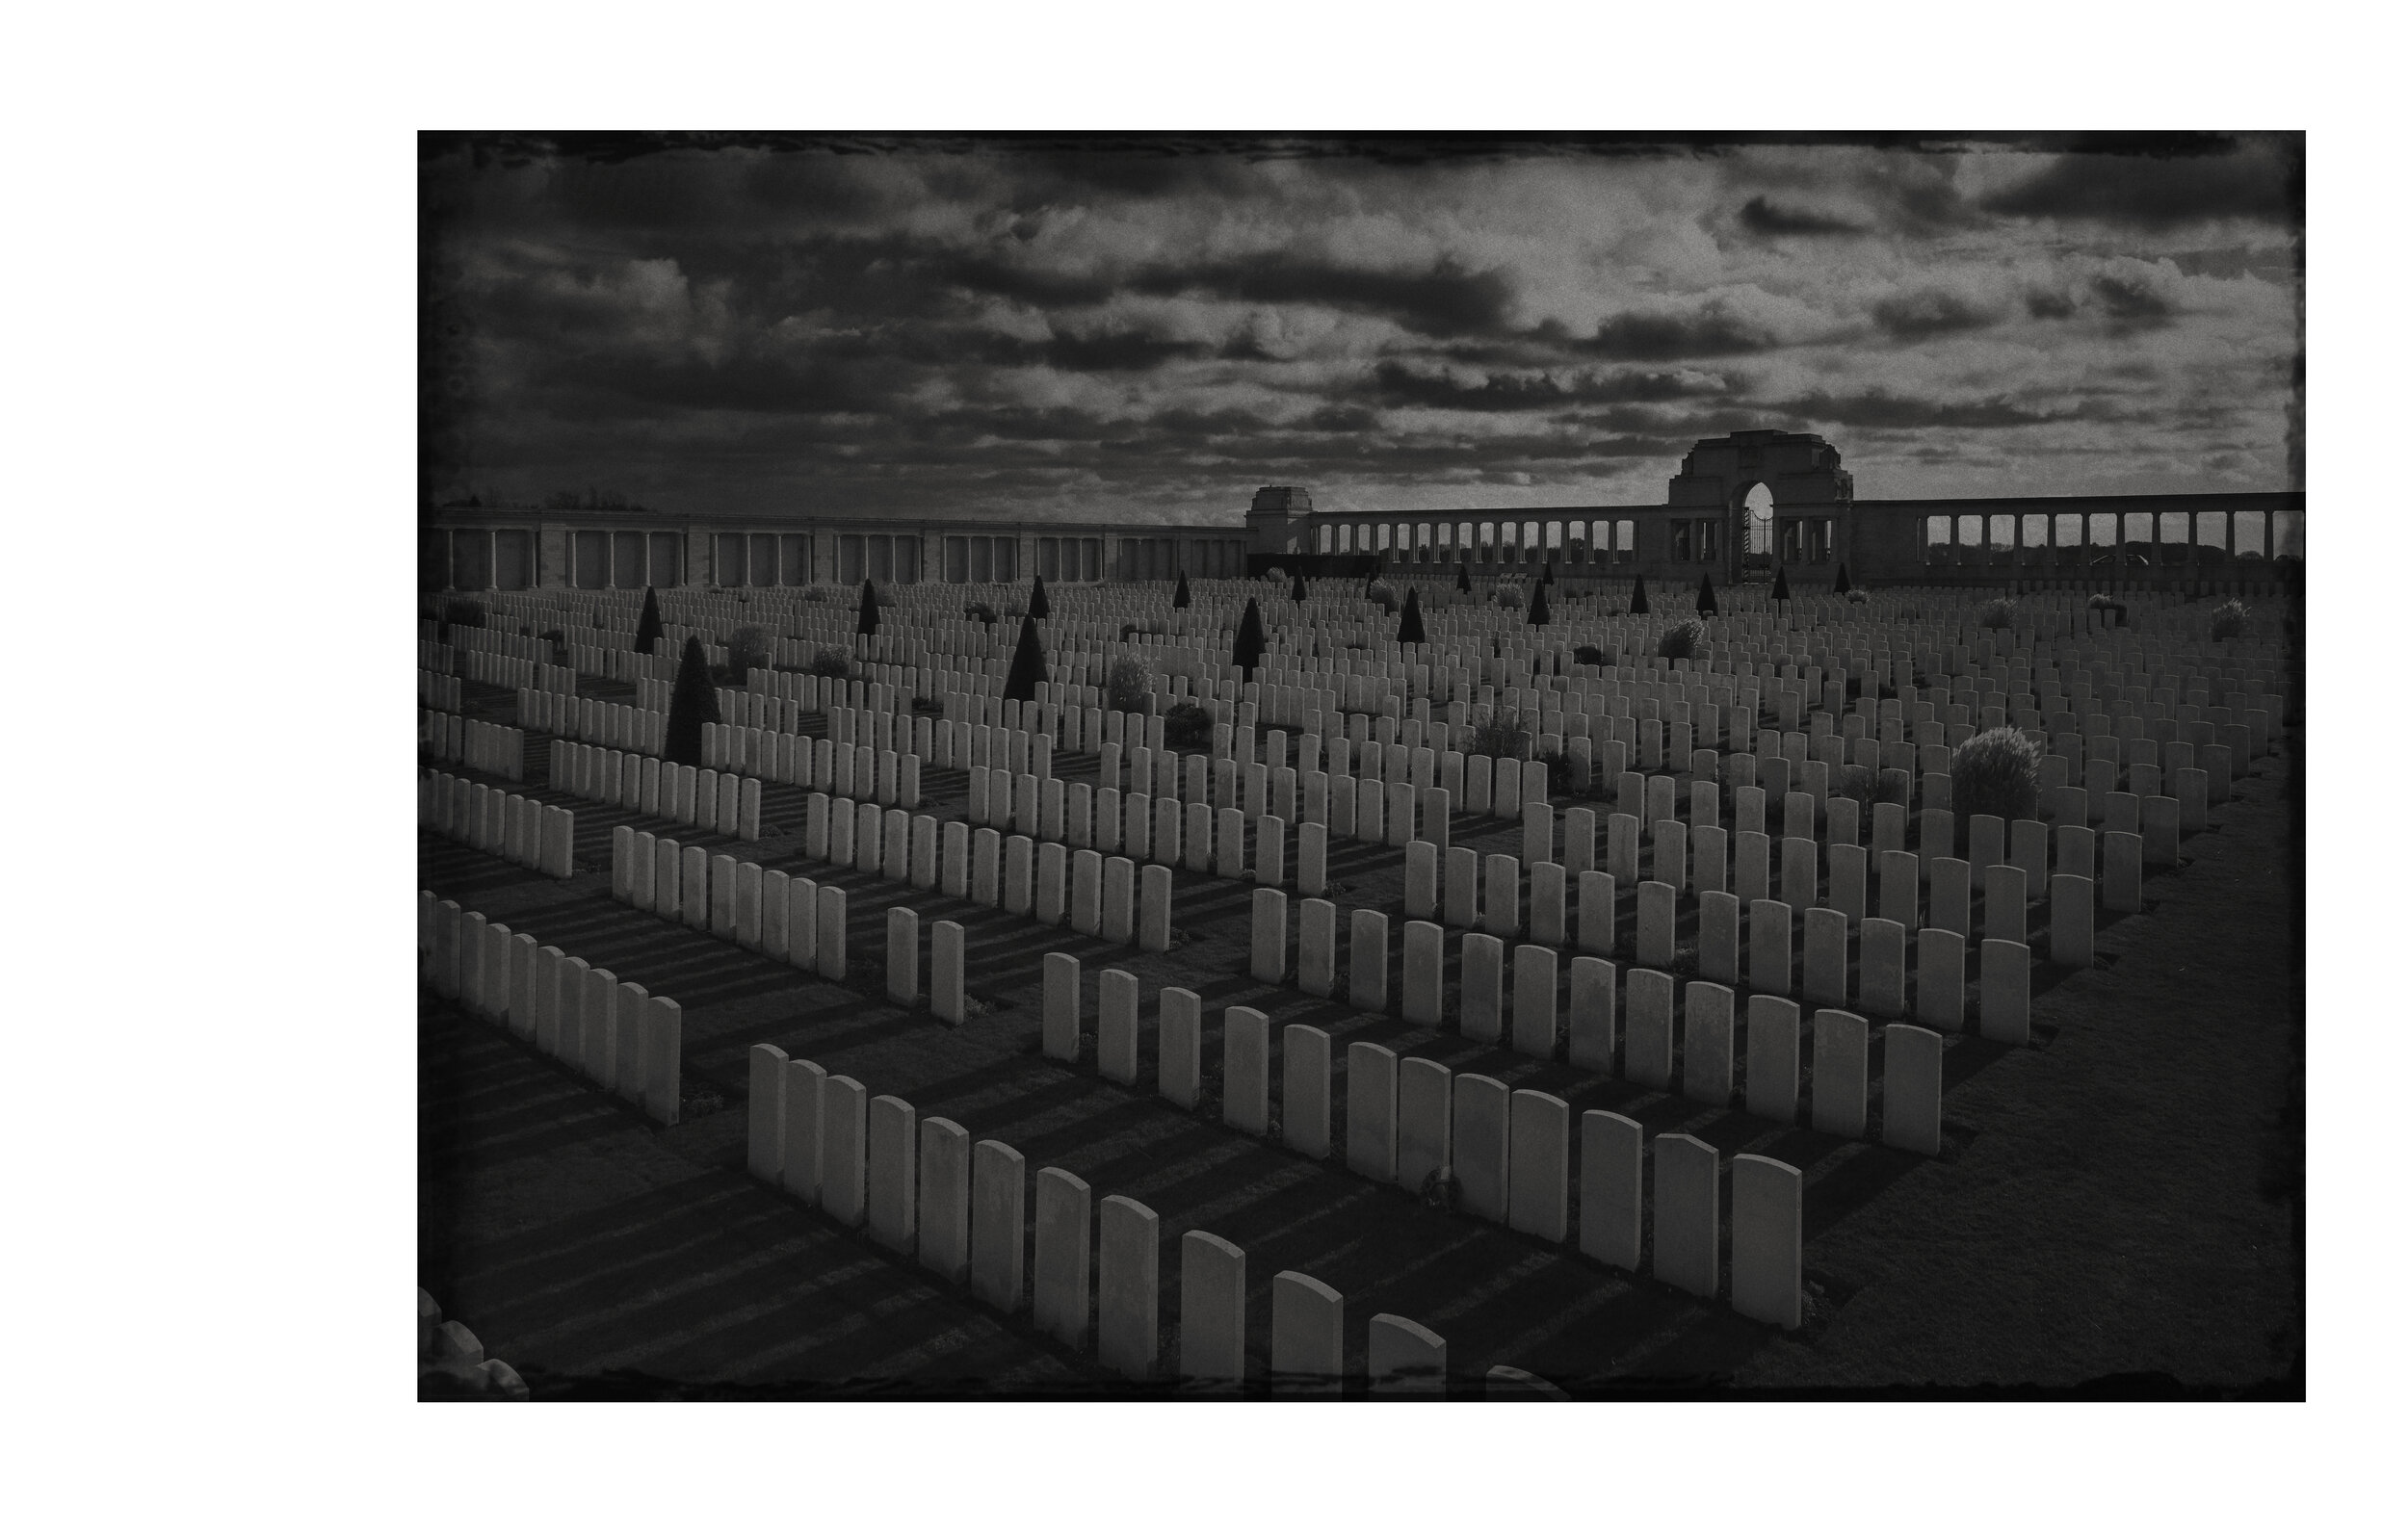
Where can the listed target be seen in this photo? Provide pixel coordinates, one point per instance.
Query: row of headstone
(596, 722)
(1415, 1124)
(535, 835)
(793, 920)
(1110, 898)
(439, 691)
(1092, 1280)
(481, 746)
(643, 784)
(615, 1033)
(536, 674)
(811, 764)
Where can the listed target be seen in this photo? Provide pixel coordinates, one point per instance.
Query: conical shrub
(649, 626)
(1540, 615)
(1028, 665)
(1247, 651)
(1039, 605)
(1781, 583)
(1409, 626)
(868, 622)
(1179, 597)
(692, 703)
(1639, 595)
(1707, 607)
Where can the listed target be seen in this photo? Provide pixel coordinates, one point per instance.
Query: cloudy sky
(1152, 329)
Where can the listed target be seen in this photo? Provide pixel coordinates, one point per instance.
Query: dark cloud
(2048, 303)
(1760, 217)
(1439, 299)
(2260, 180)
(1665, 337)
(2132, 302)
(1880, 410)
(1929, 311)
(1394, 383)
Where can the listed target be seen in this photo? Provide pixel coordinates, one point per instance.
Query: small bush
(1864, 785)
(2230, 621)
(1997, 771)
(1274, 572)
(980, 612)
(749, 649)
(1128, 684)
(1499, 733)
(552, 635)
(1855, 597)
(1587, 654)
(1384, 594)
(461, 612)
(2099, 601)
(1680, 641)
(1188, 726)
(1510, 597)
(831, 660)
(1139, 629)
(824, 595)
(1996, 612)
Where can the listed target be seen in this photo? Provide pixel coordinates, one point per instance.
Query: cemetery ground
(2115, 1208)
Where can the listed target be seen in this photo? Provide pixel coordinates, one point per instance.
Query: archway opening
(1756, 531)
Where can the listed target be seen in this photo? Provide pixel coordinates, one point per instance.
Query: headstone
(1538, 1164)
(2005, 992)
(1178, 1068)
(1425, 1120)
(1371, 1111)
(1707, 1043)
(1839, 1084)
(1772, 1059)
(1062, 1222)
(1211, 1308)
(1246, 1070)
(1128, 1290)
(1647, 1044)
(1117, 1027)
(1534, 1000)
(844, 1126)
(1767, 1272)
(1687, 1232)
(1479, 1006)
(1610, 1159)
(1304, 1090)
(944, 1198)
(998, 1223)
(894, 1173)
(1404, 1359)
(1910, 1088)
(1307, 1328)
(1367, 971)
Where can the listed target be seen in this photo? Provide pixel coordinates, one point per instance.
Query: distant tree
(1247, 652)
(1781, 583)
(1839, 585)
(1464, 578)
(1547, 575)
(869, 609)
(1028, 665)
(1038, 605)
(1409, 627)
(692, 703)
(1296, 592)
(649, 626)
(1179, 597)
(1705, 606)
(1639, 596)
(1539, 615)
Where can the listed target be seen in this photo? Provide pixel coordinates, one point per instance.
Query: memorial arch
(1812, 498)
